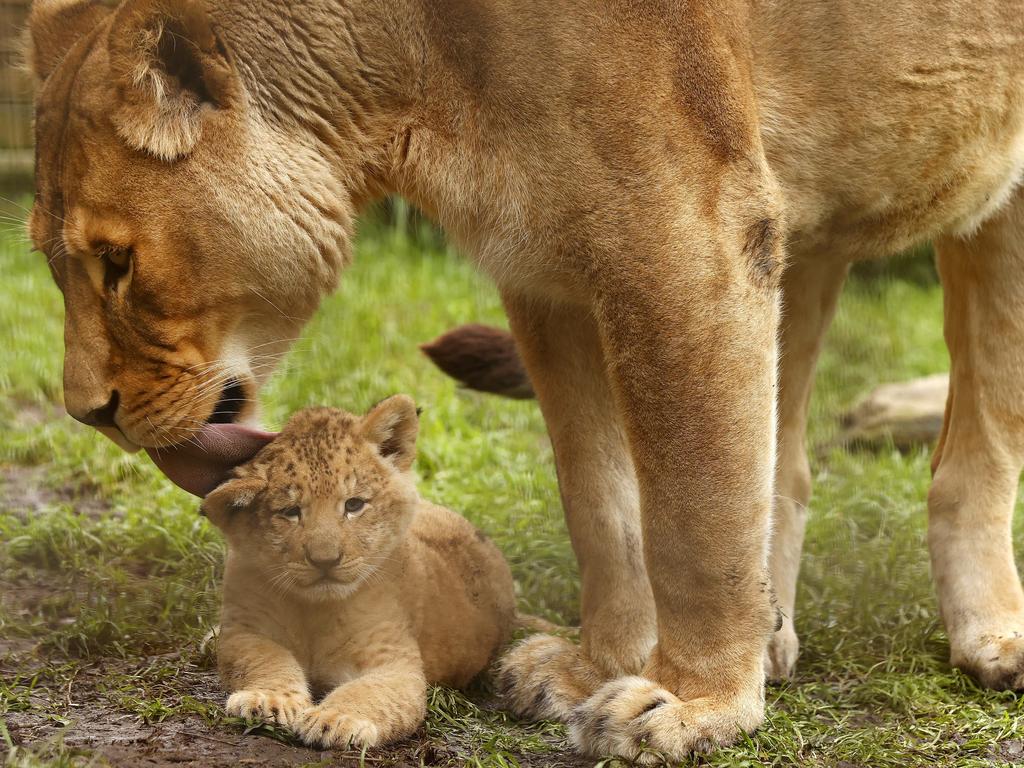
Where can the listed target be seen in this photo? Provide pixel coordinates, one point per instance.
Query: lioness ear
(392, 426)
(170, 68)
(231, 496)
(56, 25)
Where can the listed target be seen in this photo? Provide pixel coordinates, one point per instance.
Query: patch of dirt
(25, 490)
(32, 602)
(164, 710)
(118, 738)
(84, 717)
(1009, 751)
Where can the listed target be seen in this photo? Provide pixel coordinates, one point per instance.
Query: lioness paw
(327, 726)
(544, 677)
(284, 708)
(781, 655)
(994, 659)
(637, 719)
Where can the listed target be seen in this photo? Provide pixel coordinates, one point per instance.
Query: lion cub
(340, 578)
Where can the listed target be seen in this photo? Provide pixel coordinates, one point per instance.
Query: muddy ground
(153, 710)
(81, 714)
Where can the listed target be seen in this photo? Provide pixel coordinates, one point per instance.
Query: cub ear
(56, 25)
(392, 426)
(170, 68)
(231, 496)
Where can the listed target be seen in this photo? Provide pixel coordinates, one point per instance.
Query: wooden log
(907, 413)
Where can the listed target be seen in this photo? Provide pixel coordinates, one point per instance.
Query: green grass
(128, 586)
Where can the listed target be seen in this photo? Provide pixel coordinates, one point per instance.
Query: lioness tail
(482, 358)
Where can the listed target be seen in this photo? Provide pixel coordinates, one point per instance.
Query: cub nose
(103, 416)
(323, 563)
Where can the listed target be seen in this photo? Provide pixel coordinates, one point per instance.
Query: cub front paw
(282, 707)
(330, 727)
(637, 719)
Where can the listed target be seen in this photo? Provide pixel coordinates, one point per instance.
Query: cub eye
(354, 506)
(117, 261)
(292, 513)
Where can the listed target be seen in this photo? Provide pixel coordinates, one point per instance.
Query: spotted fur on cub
(340, 578)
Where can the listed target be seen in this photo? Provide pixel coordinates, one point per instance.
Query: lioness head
(319, 509)
(191, 225)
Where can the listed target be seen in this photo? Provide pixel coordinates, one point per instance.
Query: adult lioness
(629, 173)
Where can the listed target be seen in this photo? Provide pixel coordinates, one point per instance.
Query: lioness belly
(900, 122)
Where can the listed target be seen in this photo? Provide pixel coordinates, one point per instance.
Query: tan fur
(638, 170)
(367, 607)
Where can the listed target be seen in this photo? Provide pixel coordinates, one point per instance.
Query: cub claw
(329, 727)
(269, 706)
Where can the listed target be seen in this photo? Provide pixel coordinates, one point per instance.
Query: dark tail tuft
(481, 358)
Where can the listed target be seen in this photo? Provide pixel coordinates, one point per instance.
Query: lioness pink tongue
(203, 463)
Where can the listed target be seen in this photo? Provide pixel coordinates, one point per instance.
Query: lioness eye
(116, 261)
(354, 506)
(292, 513)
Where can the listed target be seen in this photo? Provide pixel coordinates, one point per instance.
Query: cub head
(191, 210)
(322, 507)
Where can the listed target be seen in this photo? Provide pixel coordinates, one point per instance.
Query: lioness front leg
(689, 336)
(546, 677)
(978, 461)
(265, 679)
(386, 702)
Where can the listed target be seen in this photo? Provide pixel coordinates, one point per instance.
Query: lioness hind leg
(810, 288)
(562, 352)
(978, 462)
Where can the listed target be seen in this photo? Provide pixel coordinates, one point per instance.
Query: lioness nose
(103, 416)
(323, 563)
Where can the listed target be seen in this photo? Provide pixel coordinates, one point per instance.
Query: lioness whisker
(277, 308)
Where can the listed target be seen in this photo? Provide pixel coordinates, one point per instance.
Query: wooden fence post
(15, 97)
